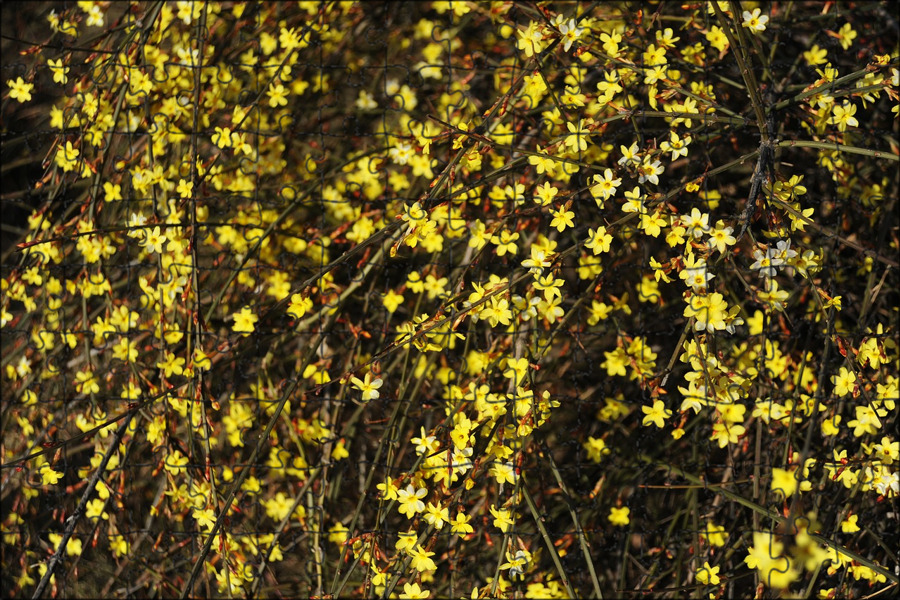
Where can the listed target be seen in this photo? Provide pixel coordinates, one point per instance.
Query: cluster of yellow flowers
(287, 294)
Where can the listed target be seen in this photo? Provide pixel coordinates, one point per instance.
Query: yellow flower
(184, 188)
(543, 164)
(599, 312)
(615, 362)
(172, 365)
(866, 421)
(676, 145)
(775, 570)
(112, 191)
(714, 535)
(611, 43)
(436, 515)
(570, 33)
(506, 242)
(844, 382)
(720, 237)
(503, 520)
(503, 473)
(562, 219)
(849, 524)
(205, 518)
(846, 35)
(842, 116)
(60, 73)
(338, 534)
(73, 546)
(656, 414)
(596, 449)
(577, 138)
(540, 259)
(410, 500)
(291, 39)
(516, 369)
(460, 524)
(222, 137)
(86, 383)
(421, 559)
(388, 489)
(339, 452)
(707, 575)
(406, 541)
(175, 462)
(19, 90)
(244, 321)
(619, 516)
(815, 56)
(368, 387)
(48, 475)
(696, 223)
(411, 591)
(516, 563)
(783, 482)
(604, 187)
(830, 426)
(119, 545)
(299, 305)
(652, 224)
(496, 311)
(717, 38)
(201, 360)
(154, 241)
(67, 157)
(531, 39)
(709, 311)
(277, 95)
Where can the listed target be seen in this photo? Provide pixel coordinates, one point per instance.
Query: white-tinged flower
(650, 170)
(570, 33)
(766, 262)
(754, 21)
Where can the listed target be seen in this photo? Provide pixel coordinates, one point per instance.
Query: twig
(72, 521)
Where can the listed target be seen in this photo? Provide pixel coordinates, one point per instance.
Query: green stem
(839, 148)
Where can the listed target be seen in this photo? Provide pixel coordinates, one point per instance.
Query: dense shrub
(451, 299)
